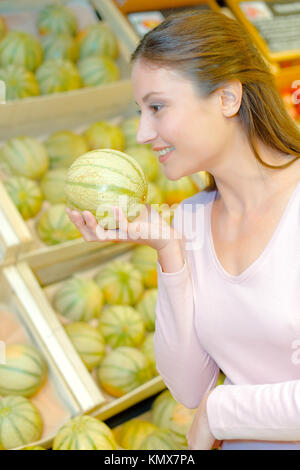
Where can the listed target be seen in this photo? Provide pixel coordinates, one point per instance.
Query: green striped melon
(176, 191)
(78, 299)
(25, 156)
(88, 342)
(97, 39)
(59, 46)
(147, 159)
(147, 308)
(102, 179)
(122, 370)
(20, 422)
(144, 258)
(132, 433)
(53, 185)
(96, 71)
(19, 82)
(26, 195)
(3, 27)
(54, 226)
(57, 75)
(122, 325)
(64, 147)
(57, 18)
(129, 128)
(147, 348)
(84, 433)
(161, 439)
(24, 371)
(155, 195)
(103, 135)
(181, 421)
(121, 283)
(162, 409)
(21, 48)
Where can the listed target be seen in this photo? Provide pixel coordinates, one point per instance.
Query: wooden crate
(26, 318)
(47, 280)
(26, 113)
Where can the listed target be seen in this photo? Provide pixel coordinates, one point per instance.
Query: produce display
(108, 315)
(61, 58)
(110, 322)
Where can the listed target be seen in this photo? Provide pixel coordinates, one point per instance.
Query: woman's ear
(230, 96)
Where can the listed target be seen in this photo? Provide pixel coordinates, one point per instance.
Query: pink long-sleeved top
(247, 325)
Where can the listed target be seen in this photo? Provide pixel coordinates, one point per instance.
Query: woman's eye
(139, 112)
(155, 107)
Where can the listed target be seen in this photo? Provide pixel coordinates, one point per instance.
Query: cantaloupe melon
(54, 226)
(103, 135)
(57, 18)
(147, 308)
(19, 82)
(26, 195)
(96, 71)
(144, 258)
(21, 48)
(147, 348)
(155, 195)
(181, 421)
(122, 370)
(97, 39)
(102, 179)
(25, 156)
(78, 299)
(122, 325)
(147, 159)
(59, 46)
(53, 185)
(176, 191)
(121, 283)
(84, 433)
(162, 409)
(57, 75)
(24, 371)
(64, 147)
(88, 342)
(132, 433)
(129, 128)
(20, 422)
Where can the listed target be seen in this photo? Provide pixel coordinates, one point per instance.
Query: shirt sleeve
(185, 367)
(268, 412)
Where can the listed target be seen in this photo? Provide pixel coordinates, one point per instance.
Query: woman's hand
(149, 228)
(199, 436)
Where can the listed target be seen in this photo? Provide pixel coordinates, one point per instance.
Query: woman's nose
(146, 133)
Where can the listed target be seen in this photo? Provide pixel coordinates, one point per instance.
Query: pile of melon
(34, 174)
(61, 58)
(109, 316)
(22, 376)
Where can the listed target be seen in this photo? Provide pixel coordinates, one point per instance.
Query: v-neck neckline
(251, 268)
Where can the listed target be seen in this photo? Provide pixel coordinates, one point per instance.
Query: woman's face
(185, 130)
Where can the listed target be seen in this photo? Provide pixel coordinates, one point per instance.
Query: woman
(228, 290)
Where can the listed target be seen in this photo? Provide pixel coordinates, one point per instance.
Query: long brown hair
(212, 49)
